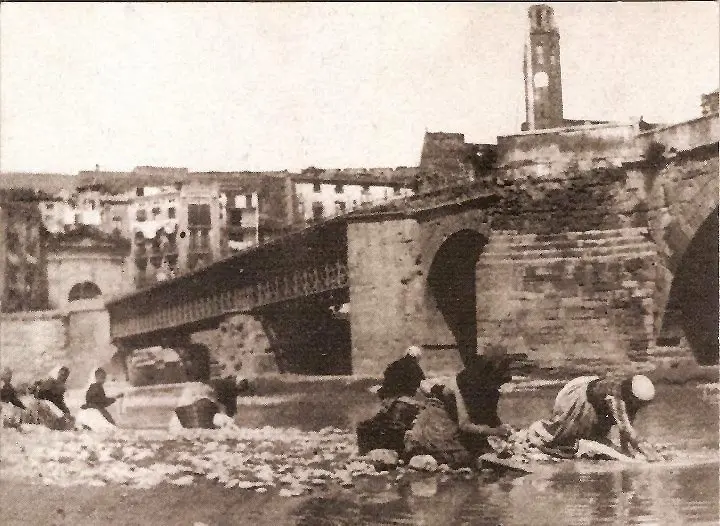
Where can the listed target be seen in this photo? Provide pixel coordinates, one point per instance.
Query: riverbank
(297, 471)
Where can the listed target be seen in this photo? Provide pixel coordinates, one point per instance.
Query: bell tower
(541, 65)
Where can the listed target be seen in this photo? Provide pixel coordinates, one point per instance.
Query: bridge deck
(309, 262)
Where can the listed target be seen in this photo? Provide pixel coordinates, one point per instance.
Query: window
(318, 210)
(235, 216)
(316, 187)
(340, 206)
(50, 206)
(117, 218)
(13, 241)
(140, 191)
(171, 212)
(78, 219)
(141, 215)
(248, 200)
(539, 55)
(199, 215)
(92, 205)
(339, 188)
(365, 188)
(156, 211)
(396, 189)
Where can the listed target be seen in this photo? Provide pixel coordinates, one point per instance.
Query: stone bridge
(591, 248)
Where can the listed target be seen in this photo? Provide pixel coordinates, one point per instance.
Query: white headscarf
(55, 371)
(642, 388)
(414, 351)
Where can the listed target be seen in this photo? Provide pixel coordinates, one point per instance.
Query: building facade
(326, 193)
(85, 263)
(23, 263)
(173, 230)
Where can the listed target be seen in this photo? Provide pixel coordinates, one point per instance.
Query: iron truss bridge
(244, 299)
(300, 266)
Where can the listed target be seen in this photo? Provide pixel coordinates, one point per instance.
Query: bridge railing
(276, 289)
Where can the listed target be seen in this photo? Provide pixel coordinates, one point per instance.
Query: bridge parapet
(213, 305)
(685, 136)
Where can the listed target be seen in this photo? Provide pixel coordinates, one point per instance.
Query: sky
(273, 86)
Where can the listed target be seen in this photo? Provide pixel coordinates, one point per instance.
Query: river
(684, 491)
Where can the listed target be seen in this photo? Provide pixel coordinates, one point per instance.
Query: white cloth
(93, 420)
(54, 372)
(223, 421)
(195, 391)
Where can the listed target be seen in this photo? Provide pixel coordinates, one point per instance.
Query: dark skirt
(386, 430)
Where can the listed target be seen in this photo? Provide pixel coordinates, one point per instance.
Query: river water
(682, 491)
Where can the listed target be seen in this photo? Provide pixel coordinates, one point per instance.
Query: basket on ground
(197, 414)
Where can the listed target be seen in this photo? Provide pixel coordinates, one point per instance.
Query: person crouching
(398, 406)
(49, 406)
(93, 413)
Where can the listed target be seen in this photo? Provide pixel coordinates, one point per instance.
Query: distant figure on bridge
(399, 407)
(93, 413)
(588, 408)
(458, 419)
(49, 406)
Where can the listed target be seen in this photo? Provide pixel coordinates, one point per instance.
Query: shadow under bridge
(293, 285)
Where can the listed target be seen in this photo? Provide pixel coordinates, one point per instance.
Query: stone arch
(451, 282)
(83, 291)
(694, 292)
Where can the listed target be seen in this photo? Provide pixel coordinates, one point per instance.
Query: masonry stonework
(66, 270)
(576, 271)
(385, 291)
(32, 343)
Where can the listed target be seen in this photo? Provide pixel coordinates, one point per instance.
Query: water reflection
(680, 492)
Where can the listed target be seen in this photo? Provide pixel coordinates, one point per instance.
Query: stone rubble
(287, 460)
(291, 461)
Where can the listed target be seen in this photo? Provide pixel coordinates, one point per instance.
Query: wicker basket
(197, 414)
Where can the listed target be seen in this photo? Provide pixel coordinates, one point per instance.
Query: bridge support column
(386, 290)
(239, 346)
(306, 338)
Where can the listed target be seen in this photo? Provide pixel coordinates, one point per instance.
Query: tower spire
(541, 68)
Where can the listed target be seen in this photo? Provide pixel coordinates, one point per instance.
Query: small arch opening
(84, 291)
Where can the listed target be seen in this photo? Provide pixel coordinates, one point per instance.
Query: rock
(423, 463)
(285, 492)
(183, 481)
(382, 458)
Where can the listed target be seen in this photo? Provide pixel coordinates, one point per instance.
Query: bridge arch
(694, 292)
(451, 283)
(83, 291)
